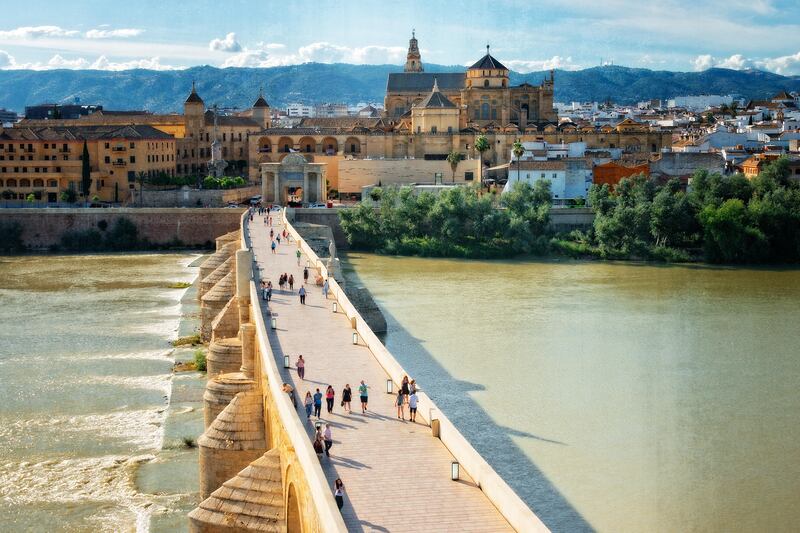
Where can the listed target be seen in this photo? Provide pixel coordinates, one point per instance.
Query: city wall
(43, 228)
(186, 197)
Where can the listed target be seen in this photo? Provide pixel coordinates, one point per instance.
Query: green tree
(481, 145)
(454, 157)
(671, 217)
(729, 235)
(518, 150)
(86, 173)
(69, 196)
(141, 178)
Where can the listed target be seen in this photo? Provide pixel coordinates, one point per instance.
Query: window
(555, 175)
(52, 183)
(223, 136)
(133, 159)
(542, 177)
(485, 111)
(449, 129)
(468, 176)
(131, 176)
(485, 83)
(107, 159)
(107, 146)
(132, 145)
(433, 129)
(494, 114)
(58, 169)
(240, 135)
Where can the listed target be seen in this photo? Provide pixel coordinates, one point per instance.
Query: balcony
(64, 150)
(119, 149)
(119, 163)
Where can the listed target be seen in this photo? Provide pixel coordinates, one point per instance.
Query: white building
(299, 110)
(564, 165)
(699, 102)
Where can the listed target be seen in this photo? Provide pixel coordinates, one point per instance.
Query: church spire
(413, 59)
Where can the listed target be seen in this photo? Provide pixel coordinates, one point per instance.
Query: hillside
(164, 91)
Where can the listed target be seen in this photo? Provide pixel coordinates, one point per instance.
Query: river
(92, 417)
(612, 397)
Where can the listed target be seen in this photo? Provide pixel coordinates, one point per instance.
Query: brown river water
(612, 397)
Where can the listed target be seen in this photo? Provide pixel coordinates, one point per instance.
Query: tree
(141, 177)
(86, 173)
(481, 145)
(453, 158)
(69, 196)
(518, 150)
(733, 108)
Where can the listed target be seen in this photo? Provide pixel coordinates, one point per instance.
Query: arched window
(24, 182)
(485, 111)
(485, 83)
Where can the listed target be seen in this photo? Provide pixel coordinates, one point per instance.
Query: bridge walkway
(396, 474)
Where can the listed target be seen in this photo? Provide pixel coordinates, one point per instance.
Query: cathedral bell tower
(413, 59)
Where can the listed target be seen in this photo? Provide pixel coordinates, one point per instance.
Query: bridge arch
(293, 522)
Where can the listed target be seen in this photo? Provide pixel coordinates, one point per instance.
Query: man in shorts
(362, 391)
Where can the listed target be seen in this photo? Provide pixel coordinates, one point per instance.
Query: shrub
(200, 360)
(189, 340)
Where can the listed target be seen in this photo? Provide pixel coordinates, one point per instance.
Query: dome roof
(487, 62)
(294, 159)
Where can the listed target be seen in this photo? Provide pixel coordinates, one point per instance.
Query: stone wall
(43, 228)
(186, 197)
(357, 173)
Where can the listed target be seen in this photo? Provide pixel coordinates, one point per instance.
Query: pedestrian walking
(309, 404)
(305, 275)
(347, 397)
(278, 238)
(301, 367)
(404, 387)
(288, 389)
(400, 402)
(302, 293)
(270, 221)
(325, 288)
(271, 234)
(297, 253)
(338, 493)
(318, 446)
(269, 291)
(412, 406)
(291, 282)
(362, 391)
(412, 386)
(264, 295)
(329, 395)
(317, 403)
(328, 437)
(273, 246)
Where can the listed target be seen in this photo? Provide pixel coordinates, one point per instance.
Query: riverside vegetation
(722, 219)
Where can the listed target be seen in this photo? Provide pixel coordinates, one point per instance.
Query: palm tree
(481, 145)
(518, 150)
(141, 177)
(453, 158)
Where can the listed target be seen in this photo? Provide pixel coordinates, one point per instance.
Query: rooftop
(488, 62)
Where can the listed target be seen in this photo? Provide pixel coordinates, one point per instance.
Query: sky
(681, 35)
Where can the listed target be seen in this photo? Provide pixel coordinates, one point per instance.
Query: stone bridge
(258, 468)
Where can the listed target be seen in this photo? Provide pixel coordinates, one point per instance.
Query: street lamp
(285, 361)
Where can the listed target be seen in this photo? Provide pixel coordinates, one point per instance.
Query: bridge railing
(503, 497)
(329, 519)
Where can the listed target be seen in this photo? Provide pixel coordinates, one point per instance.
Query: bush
(190, 340)
(69, 196)
(200, 360)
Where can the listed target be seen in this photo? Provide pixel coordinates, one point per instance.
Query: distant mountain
(165, 91)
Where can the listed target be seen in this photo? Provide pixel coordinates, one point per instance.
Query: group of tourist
(407, 395)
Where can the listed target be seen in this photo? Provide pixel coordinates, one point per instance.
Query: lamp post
(273, 323)
(335, 307)
(388, 386)
(285, 361)
(355, 337)
(454, 470)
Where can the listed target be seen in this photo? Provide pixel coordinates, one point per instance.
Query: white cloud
(7, 62)
(34, 32)
(59, 62)
(228, 44)
(524, 66)
(268, 55)
(786, 65)
(6, 59)
(122, 33)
